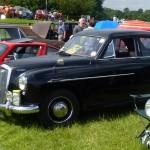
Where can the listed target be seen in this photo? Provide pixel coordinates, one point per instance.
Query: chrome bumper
(8, 109)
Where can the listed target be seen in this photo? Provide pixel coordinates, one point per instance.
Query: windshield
(3, 48)
(83, 45)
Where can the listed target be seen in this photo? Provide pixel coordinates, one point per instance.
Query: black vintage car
(93, 69)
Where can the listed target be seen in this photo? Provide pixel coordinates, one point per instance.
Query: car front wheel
(59, 108)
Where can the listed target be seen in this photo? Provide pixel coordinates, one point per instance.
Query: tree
(33, 5)
(67, 7)
(98, 10)
(126, 10)
(140, 10)
(76, 7)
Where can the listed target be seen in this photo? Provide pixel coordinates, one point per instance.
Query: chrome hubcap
(60, 109)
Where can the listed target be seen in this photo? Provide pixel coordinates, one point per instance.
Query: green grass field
(17, 21)
(114, 129)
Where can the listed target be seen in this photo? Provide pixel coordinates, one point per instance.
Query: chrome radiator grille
(3, 83)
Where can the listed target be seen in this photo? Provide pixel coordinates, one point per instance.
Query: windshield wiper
(63, 53)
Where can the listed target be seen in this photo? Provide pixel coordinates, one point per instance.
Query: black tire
(59, 108)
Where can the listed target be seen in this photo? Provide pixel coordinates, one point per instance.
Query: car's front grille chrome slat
(3, 81)
(4, 77)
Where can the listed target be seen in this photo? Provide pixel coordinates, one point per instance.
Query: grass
(114, 129)
(17, 21)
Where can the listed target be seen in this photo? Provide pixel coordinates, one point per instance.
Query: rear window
(11, 33)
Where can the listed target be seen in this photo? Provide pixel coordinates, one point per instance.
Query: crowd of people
(9, 11)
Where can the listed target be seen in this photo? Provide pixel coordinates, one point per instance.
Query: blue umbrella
(106, 24)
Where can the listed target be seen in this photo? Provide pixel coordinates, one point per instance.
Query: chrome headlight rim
(147, 108)
(9, 96)
(23, 82)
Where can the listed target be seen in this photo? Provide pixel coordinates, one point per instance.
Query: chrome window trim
(75, 79)
(19, 33)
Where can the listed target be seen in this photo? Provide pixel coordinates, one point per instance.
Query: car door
(117, 72)
(144, 63)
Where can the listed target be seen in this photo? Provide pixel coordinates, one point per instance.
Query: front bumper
(8, 109)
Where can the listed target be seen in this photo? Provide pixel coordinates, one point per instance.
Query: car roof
(111, 32)
(21, 40)
(9, 26)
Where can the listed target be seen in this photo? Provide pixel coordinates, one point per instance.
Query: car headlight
(147, 108)
(22, 82)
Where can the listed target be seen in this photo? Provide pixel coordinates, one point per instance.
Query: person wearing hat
(80, 26)
(61, 31)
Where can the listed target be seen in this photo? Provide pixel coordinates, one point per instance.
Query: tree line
(76, 8)
(127, 14)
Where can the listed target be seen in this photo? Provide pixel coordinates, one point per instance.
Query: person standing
(61, 31)
(80, 26)
(91, 25)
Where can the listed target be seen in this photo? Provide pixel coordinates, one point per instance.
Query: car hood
(41, 25)
(49, 61)
(37, 38)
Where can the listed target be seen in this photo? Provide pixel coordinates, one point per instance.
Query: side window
(145, 46)
(15, 33)
(125, 47)
(19, 52)
(12, 53)
(4, 34)
(67, 27)
(110, 50)
(52, 33)
(51, 51)
(121, 46)
(145, 42)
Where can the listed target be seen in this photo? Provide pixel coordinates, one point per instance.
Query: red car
(41, 14)
(16, 50)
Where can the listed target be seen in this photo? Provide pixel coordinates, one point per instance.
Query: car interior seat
(29, 52)
(132, 54)
(19, 52)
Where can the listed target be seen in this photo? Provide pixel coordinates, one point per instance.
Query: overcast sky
(131, 4)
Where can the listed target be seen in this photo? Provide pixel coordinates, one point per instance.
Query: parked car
(27, 14)
(93, 69)
(41, 14)
(10, 32)
(17, 49)
(37, 38)
(50, 29)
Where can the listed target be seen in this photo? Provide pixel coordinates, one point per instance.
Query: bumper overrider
(12, 105)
